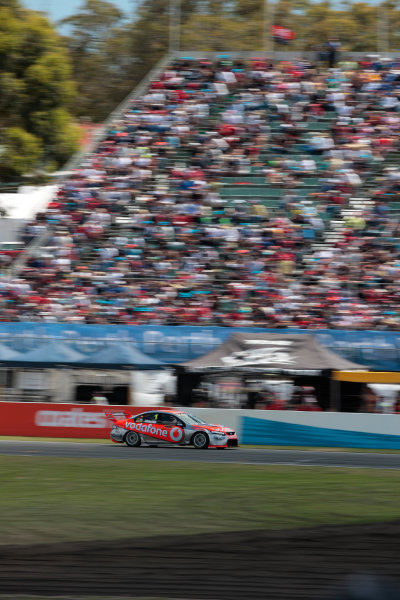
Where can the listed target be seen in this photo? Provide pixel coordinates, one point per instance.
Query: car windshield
(192, 419)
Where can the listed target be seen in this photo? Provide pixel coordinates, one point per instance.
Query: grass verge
(55, 500)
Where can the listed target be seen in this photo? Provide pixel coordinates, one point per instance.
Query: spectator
(99, 398)
(308, 401)
(332, 46)
(370, 400)
(164, 223)
(396, 405)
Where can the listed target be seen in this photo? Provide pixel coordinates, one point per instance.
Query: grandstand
(227, 191)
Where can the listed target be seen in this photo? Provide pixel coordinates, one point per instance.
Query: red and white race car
(169, 427)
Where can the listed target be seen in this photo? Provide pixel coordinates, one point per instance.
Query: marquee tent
(55, 354)
(290, 354)
(120, 356)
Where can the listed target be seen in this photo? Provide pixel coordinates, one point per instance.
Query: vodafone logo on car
(147, 428)
(176, 434)
(159, 431)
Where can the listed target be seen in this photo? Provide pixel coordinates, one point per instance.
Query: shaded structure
(298, 356)
(57, 353)
(71, 370)
(289, 354)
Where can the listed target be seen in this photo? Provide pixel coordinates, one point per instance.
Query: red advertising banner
(40, 419)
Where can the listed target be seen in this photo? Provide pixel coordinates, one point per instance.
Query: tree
(35, 77)
(218, 32)
(20, 153)
(101, 52)
(53, 126)
(149, 34)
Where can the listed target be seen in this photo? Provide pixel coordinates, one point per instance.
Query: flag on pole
(282, 35)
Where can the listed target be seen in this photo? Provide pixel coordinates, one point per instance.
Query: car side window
(151, 417)
(169, 419)
(139, 419)
(165, 419)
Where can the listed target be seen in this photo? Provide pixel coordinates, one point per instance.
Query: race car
(169, 428)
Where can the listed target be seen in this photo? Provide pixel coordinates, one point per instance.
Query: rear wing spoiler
(115, 416)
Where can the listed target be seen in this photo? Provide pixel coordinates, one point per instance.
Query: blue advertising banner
(379, 350)
(275, 433)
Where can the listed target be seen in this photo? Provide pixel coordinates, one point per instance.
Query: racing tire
(132, 439)
(200, 440)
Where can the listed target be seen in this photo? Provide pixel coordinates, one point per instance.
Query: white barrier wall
(297, 428)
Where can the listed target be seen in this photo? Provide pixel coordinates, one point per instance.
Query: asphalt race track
(301, 458)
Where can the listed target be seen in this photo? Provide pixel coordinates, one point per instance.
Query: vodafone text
(147, 428)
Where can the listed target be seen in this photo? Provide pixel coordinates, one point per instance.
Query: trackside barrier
(317, 429)
(40, 419)
(277, 428)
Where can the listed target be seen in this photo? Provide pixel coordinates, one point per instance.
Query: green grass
(57, 499)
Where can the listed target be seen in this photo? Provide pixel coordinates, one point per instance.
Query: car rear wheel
(200, 440)
(132, 439)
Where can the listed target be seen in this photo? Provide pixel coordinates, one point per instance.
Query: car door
(175, 427)
(152, 430)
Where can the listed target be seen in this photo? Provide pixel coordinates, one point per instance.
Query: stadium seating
(234, 193)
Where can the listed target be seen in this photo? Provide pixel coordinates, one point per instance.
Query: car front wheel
(200, 440)
(132, 439)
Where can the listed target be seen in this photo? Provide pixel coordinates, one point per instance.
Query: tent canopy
(291, 354)
(60, 353)
(121, 356)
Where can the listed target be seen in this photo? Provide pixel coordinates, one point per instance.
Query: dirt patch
(296, 564)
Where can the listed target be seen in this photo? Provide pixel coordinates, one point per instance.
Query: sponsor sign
(259, 356)
(75, 417)
(379, 350)
(155, 430)
(58, 420)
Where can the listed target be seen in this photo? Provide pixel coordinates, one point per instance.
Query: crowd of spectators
(144, 231)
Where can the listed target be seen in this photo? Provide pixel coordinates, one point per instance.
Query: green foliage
(54, 127)
(216, 33)
(100, 48)
(12, 98)
(92, 25)
(11, 36)
(35, 78)
(20, 152)
(47, 81)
